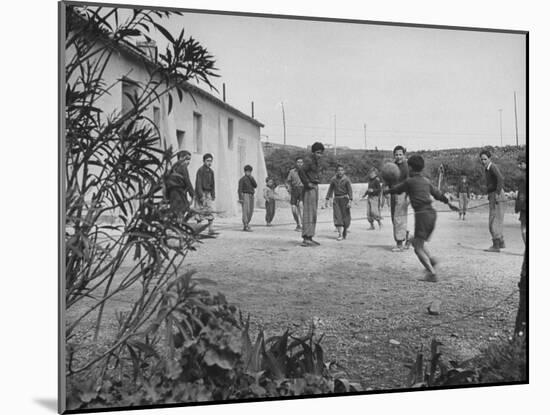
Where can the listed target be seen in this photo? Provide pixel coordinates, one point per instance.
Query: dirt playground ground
(366, 300)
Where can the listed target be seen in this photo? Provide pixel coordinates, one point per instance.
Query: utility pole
(284, 124)
(516, 117)
(334, 134)
(500, 112)
(365, 132)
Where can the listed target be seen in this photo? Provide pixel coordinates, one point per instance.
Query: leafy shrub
(198, 348)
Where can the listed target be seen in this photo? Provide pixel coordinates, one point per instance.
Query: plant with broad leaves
(198, 348)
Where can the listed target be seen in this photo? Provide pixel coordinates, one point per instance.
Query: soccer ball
(390, 173)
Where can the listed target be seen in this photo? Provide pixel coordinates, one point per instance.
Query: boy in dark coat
(419, 190)
(310, 175)
(206, 191)
(495, 195)
(178, 185)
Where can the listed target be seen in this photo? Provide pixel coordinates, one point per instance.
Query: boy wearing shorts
(419, 189)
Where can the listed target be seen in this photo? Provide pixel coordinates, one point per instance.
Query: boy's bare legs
(424, 257)
(297, 214)
(433, 261)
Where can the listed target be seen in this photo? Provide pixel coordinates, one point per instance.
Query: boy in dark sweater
(340, 188)
(205, 192)
(310, 175)
(419, 190)
(247, 184)
(496, 198)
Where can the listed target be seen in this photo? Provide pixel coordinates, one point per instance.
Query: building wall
(228, 160)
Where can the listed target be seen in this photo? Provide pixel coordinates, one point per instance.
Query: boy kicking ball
(419, 189)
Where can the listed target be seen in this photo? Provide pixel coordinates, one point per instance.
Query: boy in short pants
(419, 189)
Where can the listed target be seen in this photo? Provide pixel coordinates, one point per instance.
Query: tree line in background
(456, 162)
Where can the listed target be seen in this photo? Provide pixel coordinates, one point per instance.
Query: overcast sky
(422, 88)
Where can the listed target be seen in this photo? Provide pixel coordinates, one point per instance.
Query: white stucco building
(201, 123)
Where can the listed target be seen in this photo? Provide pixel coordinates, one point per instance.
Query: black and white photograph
(258, 207)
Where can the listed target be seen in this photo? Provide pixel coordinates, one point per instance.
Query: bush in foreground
(198, 348)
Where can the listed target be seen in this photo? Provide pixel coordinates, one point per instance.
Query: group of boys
(177, 186)
(246, 189)
(410, 187)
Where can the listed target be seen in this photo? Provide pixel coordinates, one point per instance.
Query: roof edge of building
(138, 53)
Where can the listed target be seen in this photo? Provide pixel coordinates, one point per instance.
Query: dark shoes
(498, 244)
(495, 247)
(310, 242)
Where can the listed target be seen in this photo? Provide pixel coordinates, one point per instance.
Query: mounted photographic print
(256, 207)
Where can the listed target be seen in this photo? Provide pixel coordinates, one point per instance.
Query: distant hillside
(280, 159)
